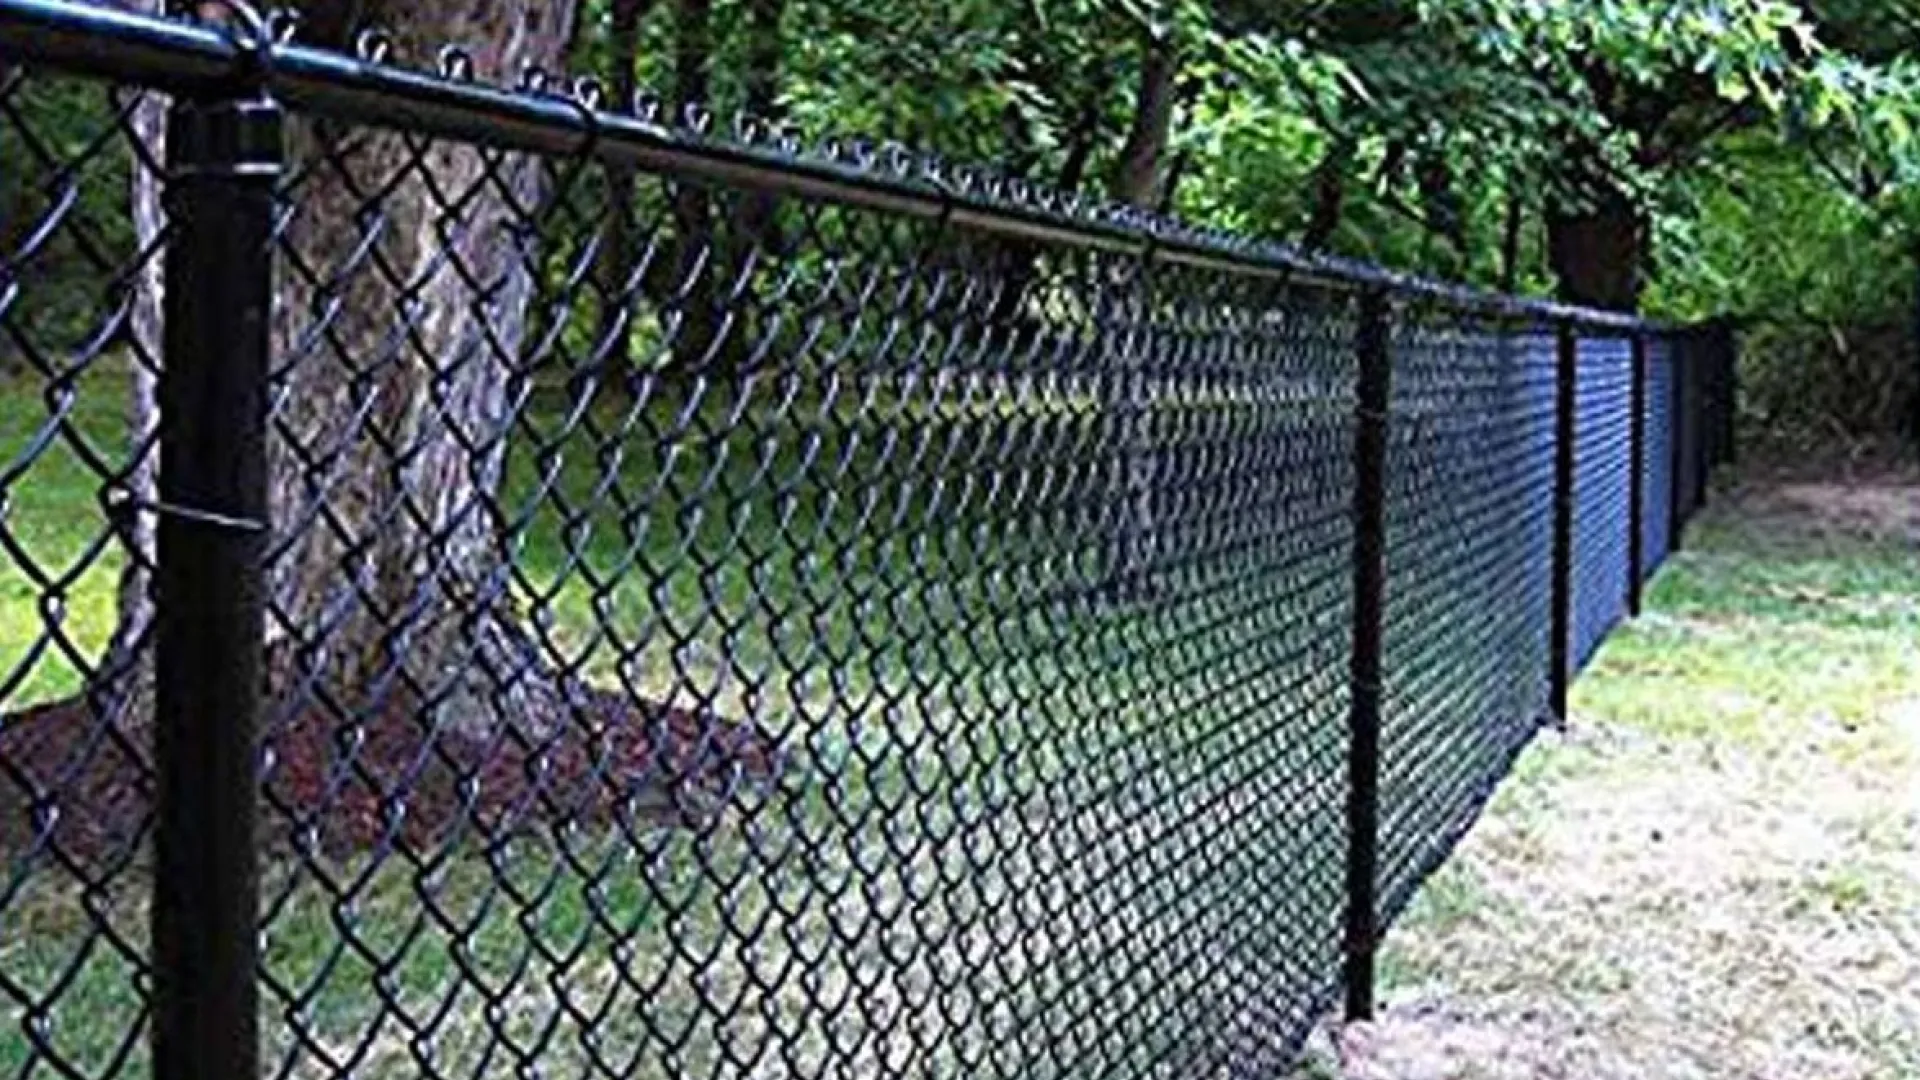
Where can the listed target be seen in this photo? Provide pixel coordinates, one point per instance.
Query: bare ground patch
(1875, 499)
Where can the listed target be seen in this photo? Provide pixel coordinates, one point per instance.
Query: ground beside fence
(1716, 871)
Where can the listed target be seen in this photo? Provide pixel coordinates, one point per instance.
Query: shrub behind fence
(497, 585)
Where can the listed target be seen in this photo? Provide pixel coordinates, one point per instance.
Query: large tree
(1637, 91)
(405, 275)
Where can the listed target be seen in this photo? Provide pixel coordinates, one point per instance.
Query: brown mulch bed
(74, 786)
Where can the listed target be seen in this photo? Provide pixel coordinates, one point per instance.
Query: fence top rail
(553, 118)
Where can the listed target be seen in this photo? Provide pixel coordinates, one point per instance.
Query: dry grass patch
(1716, 872)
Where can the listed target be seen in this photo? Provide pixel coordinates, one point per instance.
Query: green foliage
(62, 224)
(1822, 281)
(1770, 146)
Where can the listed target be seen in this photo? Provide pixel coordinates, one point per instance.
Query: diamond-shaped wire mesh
(1689, 355)
(1469, 540)
(1656, 515)
(851, 643)
(78, 248)
(715, 631)
(1603, 458)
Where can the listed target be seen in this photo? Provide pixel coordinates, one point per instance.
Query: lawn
(697, 541)
(1710, 873)
(1716, 870)
(984, 808)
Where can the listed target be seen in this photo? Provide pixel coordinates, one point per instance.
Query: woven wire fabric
(1467, 622)
(927, 657)
(710, 635)
(79, 224)
(1656, 515)
(715, 633)
(1603, 458)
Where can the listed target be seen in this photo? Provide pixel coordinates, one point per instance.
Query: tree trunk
(1073, 167)
(1129, 340)
(765, 44)
(400, 353)
(1170, 183)
(756, 225)
(1597, 250)
(12, 183)
(1138, 177)
(1015, 263)
(694, 294)
(617, 266)
(126, 675)
(1441, 206)
(1510, 230)
(1329, 192)
(12, 208)
(1913, 405)
(406, 693)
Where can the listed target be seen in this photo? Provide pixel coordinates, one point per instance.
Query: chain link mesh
(920, 655)
(715, 631)
(1469, 529)
(77, 442)
(1656, 514)
(1603, 460)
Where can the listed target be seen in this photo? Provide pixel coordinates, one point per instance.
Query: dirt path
(1716, 872)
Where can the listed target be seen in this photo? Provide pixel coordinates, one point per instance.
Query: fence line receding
(491, 587)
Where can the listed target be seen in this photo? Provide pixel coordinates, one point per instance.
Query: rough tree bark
(617, 267)
(404, 287)
(127, 670)
(401, 296)
(400, 351)
(1329, 192)
(1139, 173)
(1597, 249)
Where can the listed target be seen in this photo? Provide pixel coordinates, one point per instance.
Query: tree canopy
(1754, 158)
(1750, 158)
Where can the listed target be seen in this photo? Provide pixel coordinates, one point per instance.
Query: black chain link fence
(1601, 478)
(625, 602)
(1657, 464)
(1470, 510)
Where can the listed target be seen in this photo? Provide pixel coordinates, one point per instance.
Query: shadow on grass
(1028, 828)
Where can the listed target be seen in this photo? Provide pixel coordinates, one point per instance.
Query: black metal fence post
(1727, 341)
(1913, 328)
(223, 162)
(1565, 431)
(1372, 410)
(1637, 476)
(1705, 429)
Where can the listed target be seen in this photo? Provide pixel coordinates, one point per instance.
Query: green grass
(1721, 846)
(491, 955)
(57, 603)
(765, 572)
(915, 729)
(1752, 626)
